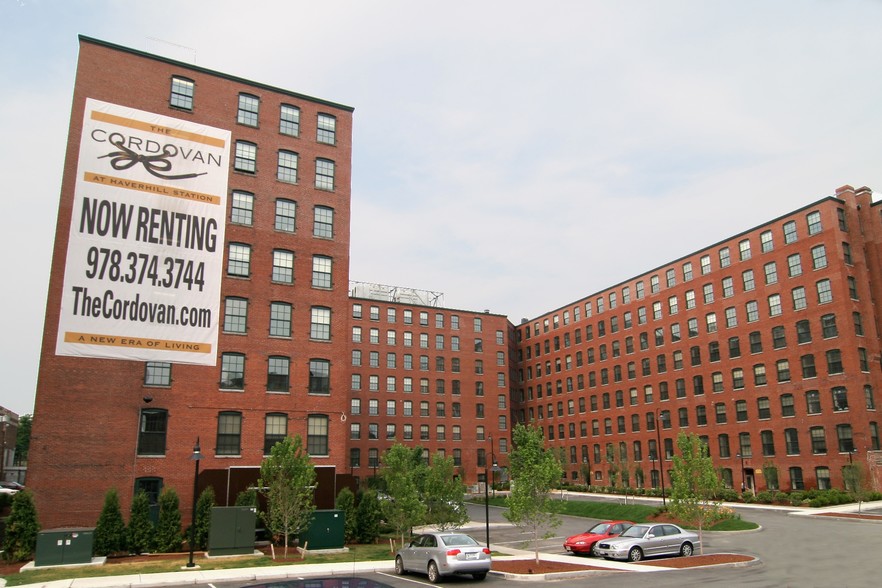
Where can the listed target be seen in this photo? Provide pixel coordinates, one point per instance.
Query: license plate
(471, 556)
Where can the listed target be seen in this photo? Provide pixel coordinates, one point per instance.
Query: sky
(514, 155)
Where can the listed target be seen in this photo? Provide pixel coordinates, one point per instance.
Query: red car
(583, 543)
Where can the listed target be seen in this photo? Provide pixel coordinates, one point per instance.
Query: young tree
(110, 532)
(21, 528)
(402, 471)
(139, 534)
(203, 516)
(856, 481)
(346, 502)
(696, 484)
(287, 477)
(168, 531)
(444, 495)
(534, 472)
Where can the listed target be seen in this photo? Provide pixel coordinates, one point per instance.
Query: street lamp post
(197, 455)
(487, 492)
(743, 479)
(652, 459)
(661, 461)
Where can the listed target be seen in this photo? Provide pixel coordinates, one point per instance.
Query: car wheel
(399, 566)
(686, 549)
(593, 551)
(434, 576)
(635, 554)
(479, 576)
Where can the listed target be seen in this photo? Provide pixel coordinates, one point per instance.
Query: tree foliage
(22, 527)
(345, 503)
(535, 470)
(139, 534)
(696, 485)
(287, 479)
(23, 438)
(168, 530)
(444, 495)
(203, 516)
(110, 532)
(402, 472)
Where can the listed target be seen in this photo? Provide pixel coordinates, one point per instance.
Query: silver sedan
(644, 540)
(443, 554)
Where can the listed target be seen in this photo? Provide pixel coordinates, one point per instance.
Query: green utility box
(232, 530)
(326, 531)
(58, 547)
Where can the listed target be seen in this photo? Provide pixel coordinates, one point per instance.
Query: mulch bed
(529, 566)
(850, 515)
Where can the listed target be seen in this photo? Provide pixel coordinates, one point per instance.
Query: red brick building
(282, 348)
(765, 344)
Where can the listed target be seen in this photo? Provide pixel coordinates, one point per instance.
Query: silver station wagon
(443, 554)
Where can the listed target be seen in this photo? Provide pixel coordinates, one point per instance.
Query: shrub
(203, 517)
(168, 531)
(765, 497)
(110, 532)
(368, 515)
(247, 498)
(346, 503)
(139, 536)
(21, 528)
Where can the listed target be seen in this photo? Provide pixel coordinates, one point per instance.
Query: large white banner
(145, 256)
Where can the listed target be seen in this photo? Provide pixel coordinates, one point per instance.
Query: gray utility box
(58, 547)
(232, 530)
(326, 531)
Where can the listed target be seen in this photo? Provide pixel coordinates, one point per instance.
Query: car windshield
(635, 531)
(599, 528)
(458, 540)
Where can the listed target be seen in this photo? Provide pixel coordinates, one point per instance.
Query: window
(275, 430)
(287, 167)
(813, 402)
(229, 433)
(239, 263)
(278, 374)
(819, 440)
(852, 288)
(720, 413)
(320, 323)
(152, 431)
(731, 317)
(808, 366)
(794, 265)
(283, 266)
(803, 332)
(317, 434)
(280, 319)
(828, 326)
(708, 293)
(249, 109)
(321, 271)
(725, 258)
(181, 93)
(157, 373)
(752, 309)
(705, 264)
(813, 220)
(246, 157)
(326, 130)
(744, 250)
(232, 371)
(764, 410)
(766, 242)
(840, 399)
(768, 444)
(289, 120)
(819, 257)
(846, 253)
(775, 305)
(771, 272)
(728, 287)
(825, 294)
(319, 376)
(788, 408)
(779, 340)
(323, 222)
(324, 174)
(759, 375)
(798, 295)
(740, 410)
(723, 443)
(734, 347)
(286, 212)
(790, 235)
(737, 378)
(748, 281)
(242, 208)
